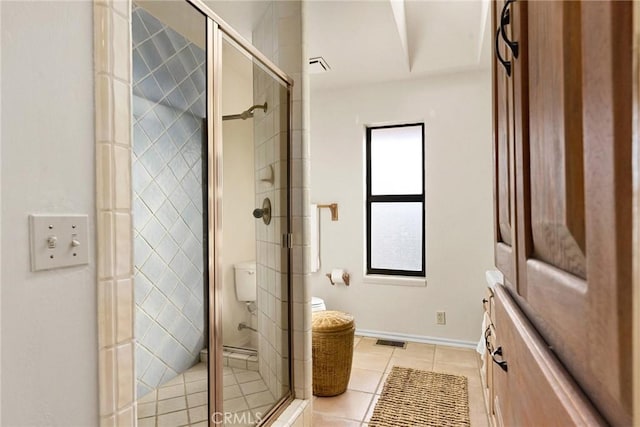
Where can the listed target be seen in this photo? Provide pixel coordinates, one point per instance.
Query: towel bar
(333, 207)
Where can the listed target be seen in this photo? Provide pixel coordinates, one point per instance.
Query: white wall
(456, 110)
(0, 218)
(239, 229)
(49, 331)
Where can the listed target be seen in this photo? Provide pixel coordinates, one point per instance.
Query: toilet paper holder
(345, 278)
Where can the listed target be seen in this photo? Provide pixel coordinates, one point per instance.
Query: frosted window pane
(396, 160)
(396, 236)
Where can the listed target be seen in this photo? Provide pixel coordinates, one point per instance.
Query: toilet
(317, 304)
(246, 289)
(245, 281)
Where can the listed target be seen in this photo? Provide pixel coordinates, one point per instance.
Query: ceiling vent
(318, 65)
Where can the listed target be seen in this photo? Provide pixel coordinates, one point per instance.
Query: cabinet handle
(501, 363)
(505, 19)
(487, 343)
(505, 64)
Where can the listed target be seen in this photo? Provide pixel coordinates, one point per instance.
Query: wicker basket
(332, 350)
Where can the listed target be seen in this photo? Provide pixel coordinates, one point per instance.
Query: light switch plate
(58, 241)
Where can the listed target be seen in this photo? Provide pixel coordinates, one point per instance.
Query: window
(395, 200)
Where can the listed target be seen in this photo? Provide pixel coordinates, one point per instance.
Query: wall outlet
(441, 318)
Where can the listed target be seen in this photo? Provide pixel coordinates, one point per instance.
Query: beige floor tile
(173, 419)
(196, 386)
(149, 397)
(364, 380)
(382, 381)
(200, 424)
(198, 414)
(415, 349)
(321, 420)
(229, 380)
(247, 376)
(253, 387)
(239, 424)
(257, 400)
(171, 391)
(196, 373)
(367, 418)
(231, 392)
(371, 364)
(261, 411)
(371, 361)
(369, 345)
(147, 422)
(197, 399)
(146, 409)
(356, 340)
(350, 404)
(240, 419)
(472, 374)
(235, 405)
(456, 356)
(477, 408)
(172, 405)
(178, 379)
(426, 364)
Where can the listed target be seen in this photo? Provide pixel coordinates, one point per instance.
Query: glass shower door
(255, 226)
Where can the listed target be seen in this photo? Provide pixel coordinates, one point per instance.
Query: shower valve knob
(265, 212)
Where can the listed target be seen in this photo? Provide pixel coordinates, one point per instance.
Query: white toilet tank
(317, 304)
(245, 279)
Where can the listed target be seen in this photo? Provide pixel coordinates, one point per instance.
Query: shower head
(247, 114)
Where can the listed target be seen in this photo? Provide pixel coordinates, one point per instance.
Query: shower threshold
(236, 357)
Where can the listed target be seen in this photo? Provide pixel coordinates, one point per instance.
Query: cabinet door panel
(504, 160)
(573, 199)
(555, 129)
(535, 390)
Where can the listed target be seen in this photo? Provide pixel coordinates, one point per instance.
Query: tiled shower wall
(271, 138)
(168, 112)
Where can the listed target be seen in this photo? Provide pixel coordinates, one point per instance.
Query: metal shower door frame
(216, 28)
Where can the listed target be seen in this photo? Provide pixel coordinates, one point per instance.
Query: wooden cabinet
(562, 148)
(532, 388)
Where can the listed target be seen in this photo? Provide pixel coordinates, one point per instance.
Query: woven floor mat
(412, 397)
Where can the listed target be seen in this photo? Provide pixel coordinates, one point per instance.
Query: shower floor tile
(182, 401)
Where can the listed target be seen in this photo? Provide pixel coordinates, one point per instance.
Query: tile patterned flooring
(371, 365)
(183, 400)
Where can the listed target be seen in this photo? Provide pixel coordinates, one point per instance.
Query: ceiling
(368, 41)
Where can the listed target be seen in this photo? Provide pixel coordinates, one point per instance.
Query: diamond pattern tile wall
(168, 110)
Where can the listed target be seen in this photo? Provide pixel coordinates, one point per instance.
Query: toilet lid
(316, 301)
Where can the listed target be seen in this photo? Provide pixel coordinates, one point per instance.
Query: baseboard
(416, 338)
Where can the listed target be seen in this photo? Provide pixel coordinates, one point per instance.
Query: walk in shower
(210, 180)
